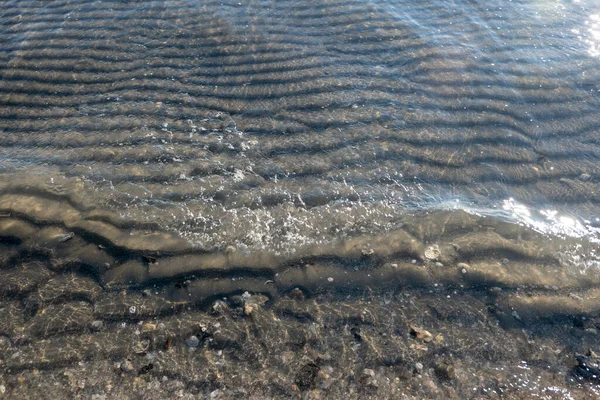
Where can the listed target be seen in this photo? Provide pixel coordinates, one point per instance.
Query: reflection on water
(552, 222)
(593, 39)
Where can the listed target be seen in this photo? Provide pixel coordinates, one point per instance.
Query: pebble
(463, 265)
(421, 334)
(445, 369)
(505, 261)
(192, 341)
(387, 297)
(297, 294)
(418, 368)
(439, 264)
(368, 377)
(495, 290)
(249, 308)
(464, 271)
(515, 315)
(97, 325)
(217, 394)
(148, 327)
(432, 252)
(126, 366)
(367, 372)
(142, 346)
(219, 307)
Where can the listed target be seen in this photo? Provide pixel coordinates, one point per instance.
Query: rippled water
(203, 115)
(180, 146)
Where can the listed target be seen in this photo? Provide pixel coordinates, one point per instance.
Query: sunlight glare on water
(593, 40)
(551, 221)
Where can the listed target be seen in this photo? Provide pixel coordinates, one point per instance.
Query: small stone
(96, 326)
(219, 307)
(368, 372)
(591, 331)
(421, 334)
(387, 297)
(585, 177)
(148, 327)
(126, 366)
(418, 368)
(142, 346)
(505, 261)
(253, 303)
(192, 341)
(495, 290)
(445, 369)
(464, 271)
(297, 294)
(217, 394)
(368, 377)
(439, 264)
(249, 308)
(463, 265)
(367, 252)
(432, 252)
(330, 279)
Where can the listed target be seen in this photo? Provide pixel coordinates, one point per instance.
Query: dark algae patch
(255, 199)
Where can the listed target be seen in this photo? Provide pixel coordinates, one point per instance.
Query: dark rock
(305, 378)
(445, 369)
(145, 369)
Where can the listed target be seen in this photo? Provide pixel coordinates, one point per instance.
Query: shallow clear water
(202, 114)
(204, 149)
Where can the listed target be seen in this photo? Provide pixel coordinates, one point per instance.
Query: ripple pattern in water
(202, 115)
